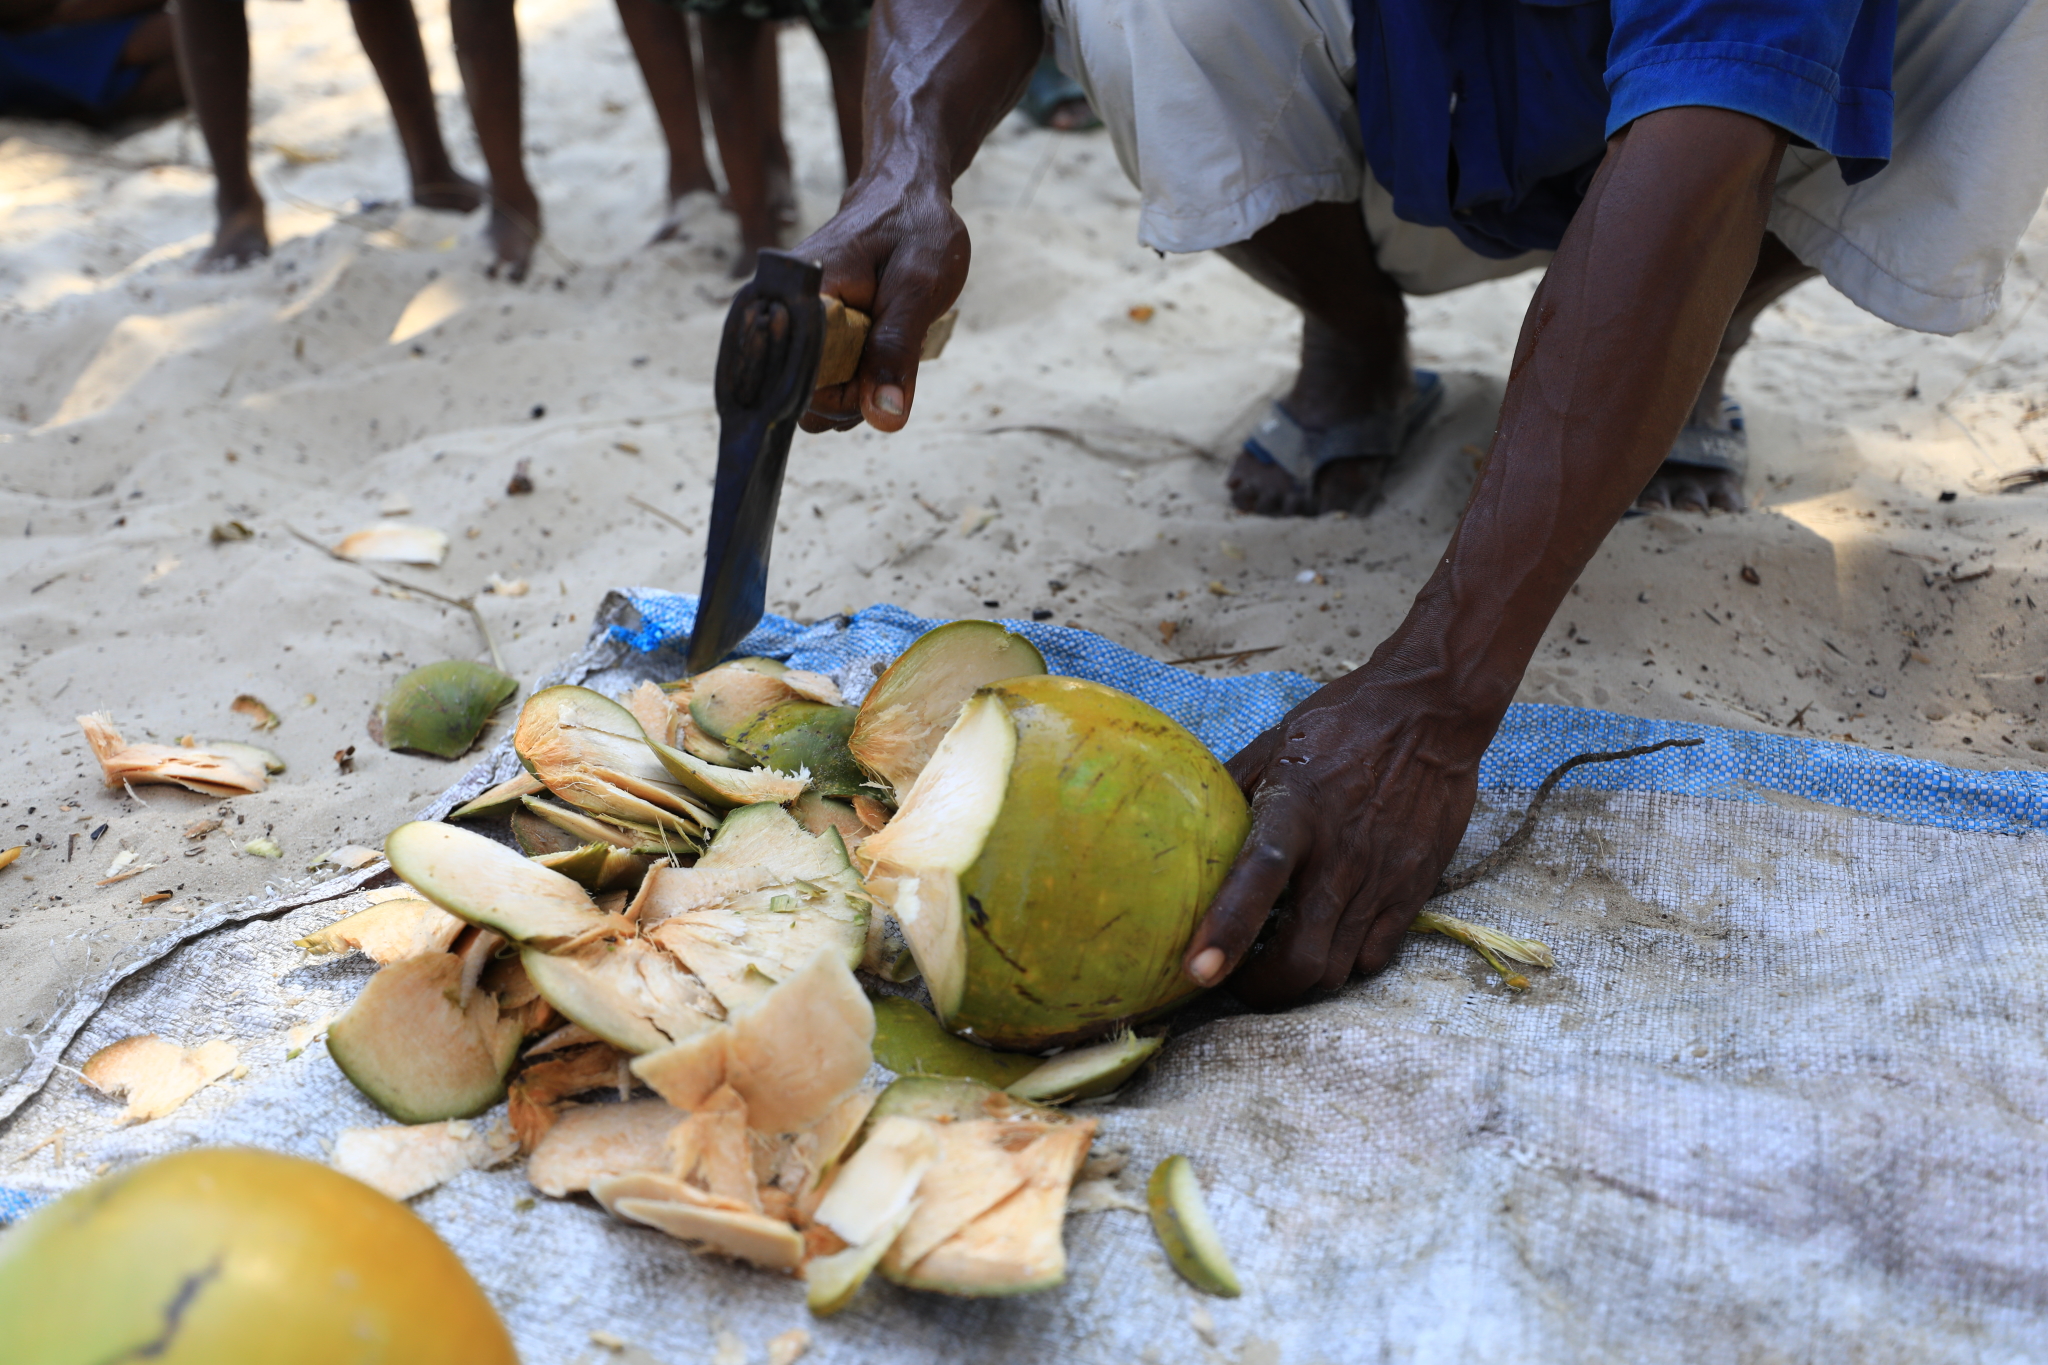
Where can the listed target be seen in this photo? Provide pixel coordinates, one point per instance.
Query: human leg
(152, 50)
(743, 118)
(846, 54)
(1696, 487)
(213, 57)
(1354, 351)
(487, 48)
(660, 37)
(390, 35)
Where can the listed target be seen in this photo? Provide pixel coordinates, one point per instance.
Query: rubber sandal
(1285, 444)
(1051, 88)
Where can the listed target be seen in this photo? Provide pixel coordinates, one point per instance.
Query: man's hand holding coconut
(1638, 147)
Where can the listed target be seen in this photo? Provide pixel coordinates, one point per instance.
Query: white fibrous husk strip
(155, 1075)
(390, 542)
(200, 770)
(813, 686)
(594, 1142)
(405, 1160)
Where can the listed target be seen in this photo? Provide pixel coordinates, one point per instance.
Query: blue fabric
(65, 71)
(18, 1204)
(1227, 713)
(1489, 117)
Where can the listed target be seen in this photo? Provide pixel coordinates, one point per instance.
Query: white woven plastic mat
(1785, 1097)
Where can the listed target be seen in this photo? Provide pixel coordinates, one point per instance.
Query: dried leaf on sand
(201, 770)
(155, 1075)
(260, 716)
(404, 1160)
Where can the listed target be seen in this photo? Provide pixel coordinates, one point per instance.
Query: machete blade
(767, 366)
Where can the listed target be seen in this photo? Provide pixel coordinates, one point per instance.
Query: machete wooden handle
(846, 332)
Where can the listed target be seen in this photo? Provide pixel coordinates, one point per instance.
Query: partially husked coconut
(1052, 860)
(912, 705)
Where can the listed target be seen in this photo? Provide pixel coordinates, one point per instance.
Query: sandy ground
(1067, 458)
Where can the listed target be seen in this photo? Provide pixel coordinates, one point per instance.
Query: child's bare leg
(660, 35)
(213, 55)
(742, 116)
(775, 152)
(487, 48)
(390, 35)
(846, 53)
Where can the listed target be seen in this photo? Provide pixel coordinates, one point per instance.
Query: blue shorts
(67, 72)
(1488, 117)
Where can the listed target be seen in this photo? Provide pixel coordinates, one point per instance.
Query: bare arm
(940, 77)
(1361, 793)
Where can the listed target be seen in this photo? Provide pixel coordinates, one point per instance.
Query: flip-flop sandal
(1720, 450)
(1285, 444)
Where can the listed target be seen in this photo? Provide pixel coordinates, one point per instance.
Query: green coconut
(440, 708)
(910, 707)
(1053, 859)
(806, 736)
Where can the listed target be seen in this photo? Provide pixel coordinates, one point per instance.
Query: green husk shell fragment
(583, 829)
(909, 1041)
(479, 880)
(911, 706)
(440, 708)
(819, 813)
(805, 736)
(537, 837)
(597, 867)
(830, 1282)
(499, 800)
(726, 786)
(1181, 1219)
(252, 756)
(1086, 1072)
(724, 699)
(1057, 812)
(589, 751)
(949, 1099)
(417, 1053)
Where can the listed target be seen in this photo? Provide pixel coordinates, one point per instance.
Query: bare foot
(1352, 486)
(1693, 488)
(514, 232)
(448, 190)
(781, 194)
(239, 238)
(1338, 381)
(684, 209)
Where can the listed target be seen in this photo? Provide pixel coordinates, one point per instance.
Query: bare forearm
(1612, 353)
(940, 77)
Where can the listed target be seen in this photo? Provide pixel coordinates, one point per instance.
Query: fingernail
(889, 399)
(1207, 966)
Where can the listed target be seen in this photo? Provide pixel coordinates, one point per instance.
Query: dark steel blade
(767, 363)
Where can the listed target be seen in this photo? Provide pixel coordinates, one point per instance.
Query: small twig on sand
(1234, 655)
(467, 604)
(1514, 843)
(650, 507)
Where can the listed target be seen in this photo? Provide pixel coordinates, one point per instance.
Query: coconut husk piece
(200, 770)
(155, 1075)
(539, 1086)
(590, 1143)
(406, 1160)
